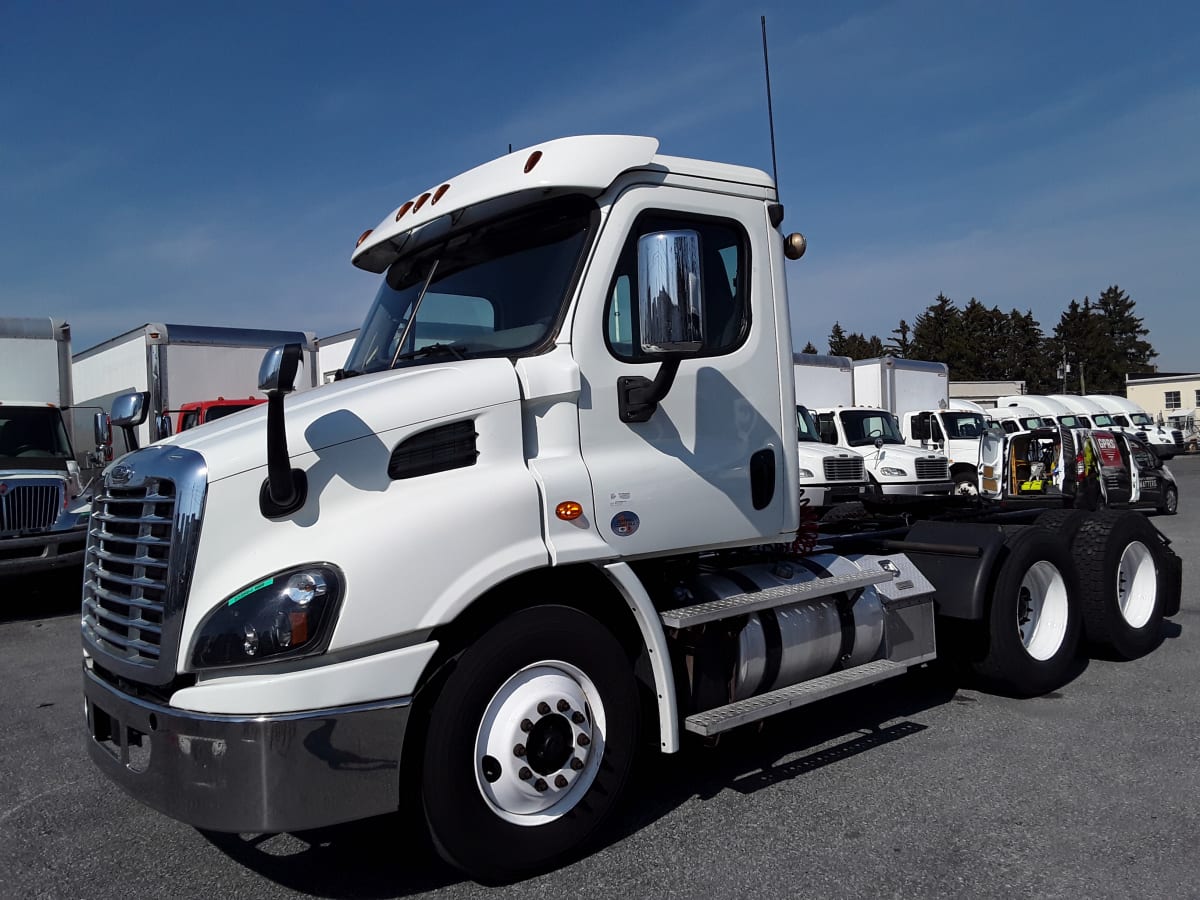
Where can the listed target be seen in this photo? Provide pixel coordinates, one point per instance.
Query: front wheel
(530, 743)
(1170, 504)
(1034, 621)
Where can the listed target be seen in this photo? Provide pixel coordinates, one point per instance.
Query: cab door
(707, 466)
(993, 465)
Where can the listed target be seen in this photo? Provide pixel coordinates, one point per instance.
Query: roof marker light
(402, 210)
(534, 157)
(420, 201)
(437, 195)
(362, 237)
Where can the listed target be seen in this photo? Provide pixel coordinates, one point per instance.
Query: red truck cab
(200, 411)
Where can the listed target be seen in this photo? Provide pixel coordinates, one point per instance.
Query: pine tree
(901, 347)
(809, 348)
(837, 340)
(1030, 358)
(938, 335)
(1128, 350)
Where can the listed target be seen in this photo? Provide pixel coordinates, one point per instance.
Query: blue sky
(213, 163)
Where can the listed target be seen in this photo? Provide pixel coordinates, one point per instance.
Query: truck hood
(355, 408)
(900, 451)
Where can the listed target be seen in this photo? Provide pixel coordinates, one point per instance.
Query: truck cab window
(724, 262)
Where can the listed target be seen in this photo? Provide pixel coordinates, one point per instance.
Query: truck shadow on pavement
(363, 859)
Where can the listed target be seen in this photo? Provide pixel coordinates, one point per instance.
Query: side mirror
(129, 410)
(101, 430)
(277, 374)
(670, 320)
(162, 426)
(670, 298)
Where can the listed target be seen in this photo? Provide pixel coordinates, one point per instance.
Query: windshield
(963, 424)
(806, 427)
(219, 412)
(1142, 419)
(1102, 420)
(496, 289)
(863, 426)
(1071, 422)
(31, 435)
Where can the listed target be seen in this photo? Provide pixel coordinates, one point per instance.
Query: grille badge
(120, 475)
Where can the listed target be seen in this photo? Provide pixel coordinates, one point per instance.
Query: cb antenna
(770, 112)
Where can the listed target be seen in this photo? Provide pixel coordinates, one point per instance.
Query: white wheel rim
(1042, 610)
(1137, 584)
(518, 735)
(1172, 501)
(967, 489)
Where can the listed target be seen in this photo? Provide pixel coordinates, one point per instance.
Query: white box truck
(546, 520)
(178, 364)
(42, 516)
(827, 386)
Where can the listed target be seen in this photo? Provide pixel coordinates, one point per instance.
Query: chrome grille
(848, 469)
(29, 505)
(1177, 437)
(125, 571)
(933, 469)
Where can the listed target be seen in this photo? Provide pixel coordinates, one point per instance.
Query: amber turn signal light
(568, 510)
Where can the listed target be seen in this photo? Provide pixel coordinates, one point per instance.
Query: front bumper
(915, 488)
(260, 774)
(40, 552)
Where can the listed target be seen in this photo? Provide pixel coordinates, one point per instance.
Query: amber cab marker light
(420, 201)
(362, 237)
(437, 195)
(568, 510)
(532, 161)
(402, 210)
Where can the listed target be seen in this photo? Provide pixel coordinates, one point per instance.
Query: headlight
(285, 615)
(805, 473)
(892, 471)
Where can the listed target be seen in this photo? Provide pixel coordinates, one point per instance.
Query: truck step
(714, 721)
(738, 604)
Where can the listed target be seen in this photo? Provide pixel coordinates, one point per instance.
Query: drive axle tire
(1123, 575)
(530, 743)
(1033, 625)
(1065, 522)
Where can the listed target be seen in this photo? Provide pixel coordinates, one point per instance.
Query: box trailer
(178, 364)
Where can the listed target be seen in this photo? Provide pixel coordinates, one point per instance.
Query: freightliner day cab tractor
(549, 514)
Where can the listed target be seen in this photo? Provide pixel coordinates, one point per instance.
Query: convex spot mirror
(277, 374)
(101, 430)
(670, 293)
(129, 410)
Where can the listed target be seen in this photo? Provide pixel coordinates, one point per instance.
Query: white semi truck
(828, 387)
(546, 519)
(1167, 441)
(178, 364)
(41, 514)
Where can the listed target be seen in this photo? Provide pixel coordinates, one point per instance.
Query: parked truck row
(549, 514)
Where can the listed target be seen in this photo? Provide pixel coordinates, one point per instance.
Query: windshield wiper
(432, 349)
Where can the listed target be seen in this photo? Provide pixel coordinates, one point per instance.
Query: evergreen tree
(1030, 358)
(1081, 343)
(858, 346)
(901, 347)
(938, 335)
(837, 340)
(809, 348)
(1128, 349)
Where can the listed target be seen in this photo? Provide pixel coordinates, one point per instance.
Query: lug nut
(583, 740)
(526, 725)
(540, 786)
(560, 781)
(563, 705)
(577, 717)
(543, 708)
(525, 774)
(576, 763)
(519, 750)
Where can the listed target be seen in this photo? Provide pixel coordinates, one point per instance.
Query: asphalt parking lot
(908, 789)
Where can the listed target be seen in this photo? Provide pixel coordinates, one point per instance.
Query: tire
(966, 485)
(1033, 624)
(1124, 579)
(496, 807)
(1170, 504)
(1065, 522)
